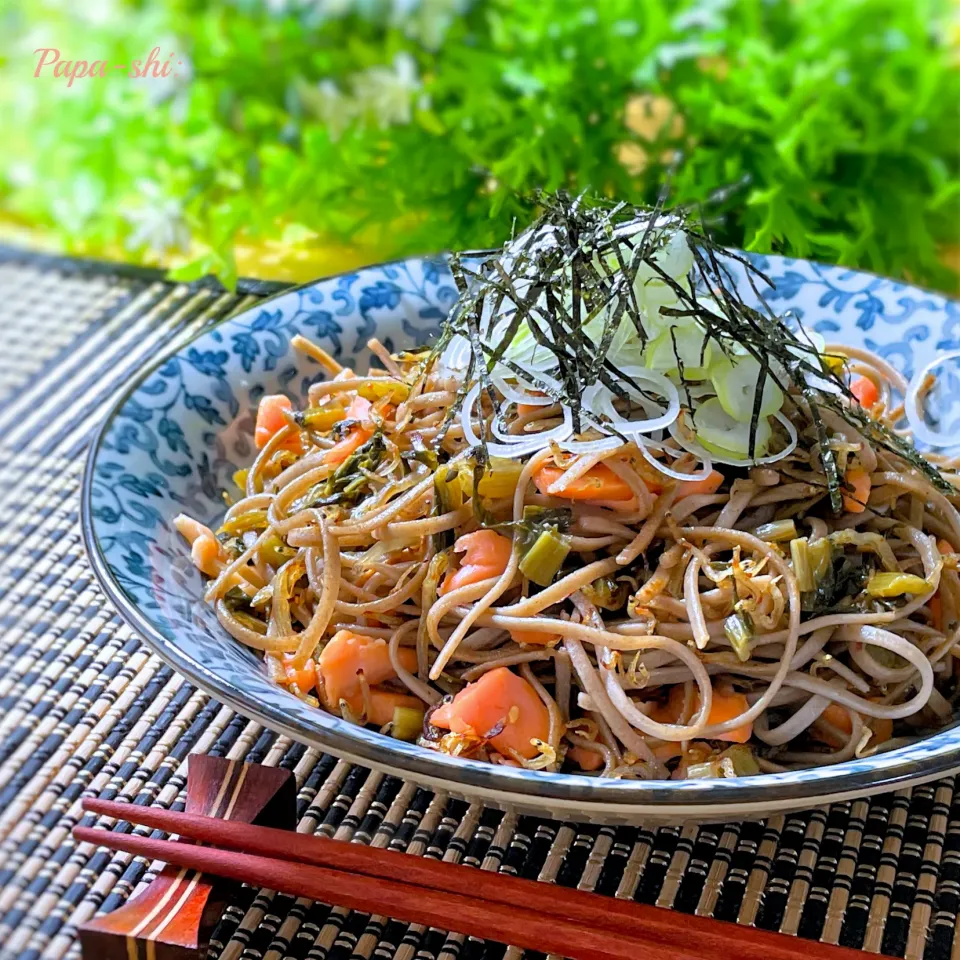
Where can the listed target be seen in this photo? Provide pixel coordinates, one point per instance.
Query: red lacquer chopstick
(402, 901)
(605, 913)
(508, 909)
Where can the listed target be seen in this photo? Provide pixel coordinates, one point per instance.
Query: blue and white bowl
(174, 439)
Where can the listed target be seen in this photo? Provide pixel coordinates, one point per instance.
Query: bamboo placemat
(86, 710)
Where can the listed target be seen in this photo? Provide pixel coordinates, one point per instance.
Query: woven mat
(86, 710)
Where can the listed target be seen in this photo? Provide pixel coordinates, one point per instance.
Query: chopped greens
(346, 485)
(607, 593)
(407, 723)
(543, 559)
(887, 584)
(738, 629)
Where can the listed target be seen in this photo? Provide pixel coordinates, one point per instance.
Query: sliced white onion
(605, 400)
(914, 408)
(590, 446)
(691, 446)
(524, 445)
(466, 415)
(456, 357)
(558, 433)
(522, 391)
(720, 433)
(644, 442)
(515, 450)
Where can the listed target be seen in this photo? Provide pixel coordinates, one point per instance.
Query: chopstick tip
(89, 835)
(109, 808)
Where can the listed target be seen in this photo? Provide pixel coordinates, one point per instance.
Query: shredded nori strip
(579, 258)
(828, 458)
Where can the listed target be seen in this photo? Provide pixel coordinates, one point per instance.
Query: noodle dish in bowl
(624, 517)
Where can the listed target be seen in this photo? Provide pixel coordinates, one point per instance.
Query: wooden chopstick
(511, 909)
(588, 908)
(402, 901)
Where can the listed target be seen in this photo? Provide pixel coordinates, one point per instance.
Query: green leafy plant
(412, 127)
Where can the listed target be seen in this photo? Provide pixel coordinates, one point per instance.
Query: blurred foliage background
(306, 136)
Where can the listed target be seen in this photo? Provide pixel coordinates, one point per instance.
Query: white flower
(335, 8)
(335, 108)
(174, 87)
(96, 12)
(322, 9)
(158, 222)
(426, 21)
(385, 95)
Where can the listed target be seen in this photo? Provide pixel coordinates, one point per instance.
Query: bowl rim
(565, 793)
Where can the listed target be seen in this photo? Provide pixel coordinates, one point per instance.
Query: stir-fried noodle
(451, 549)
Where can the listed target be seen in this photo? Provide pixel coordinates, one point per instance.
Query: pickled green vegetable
(776, 532)
(738, 628)
(251, 520)
(821, 558)
(407, 723)
(320, 419)
(607, 593)
(736, 761)
(275, 552)
(811, 561)
(500, 478)
(250, 622)
(800, 561)
(542, 561)
(897, 584)
(742, 759)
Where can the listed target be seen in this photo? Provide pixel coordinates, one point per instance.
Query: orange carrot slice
(352, 442)
(838, 718)
(270, 419)
(707, 485)
(866, 392)
(349, 654)
(724, 706)
(598, 483)
(305, 678)
(936, 611)
(857, 479)
(359, 409)
(486, 554)
(502, 707)
(357, 436)
(687, 488)
(936, 601)
(585, 759)
(533, 637)
(382, 703)
(205, 554)
(882, 728)
(667, 751)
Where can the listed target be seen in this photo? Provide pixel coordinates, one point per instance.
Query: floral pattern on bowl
(174, 439)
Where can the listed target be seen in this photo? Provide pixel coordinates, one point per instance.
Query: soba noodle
(644, 625)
